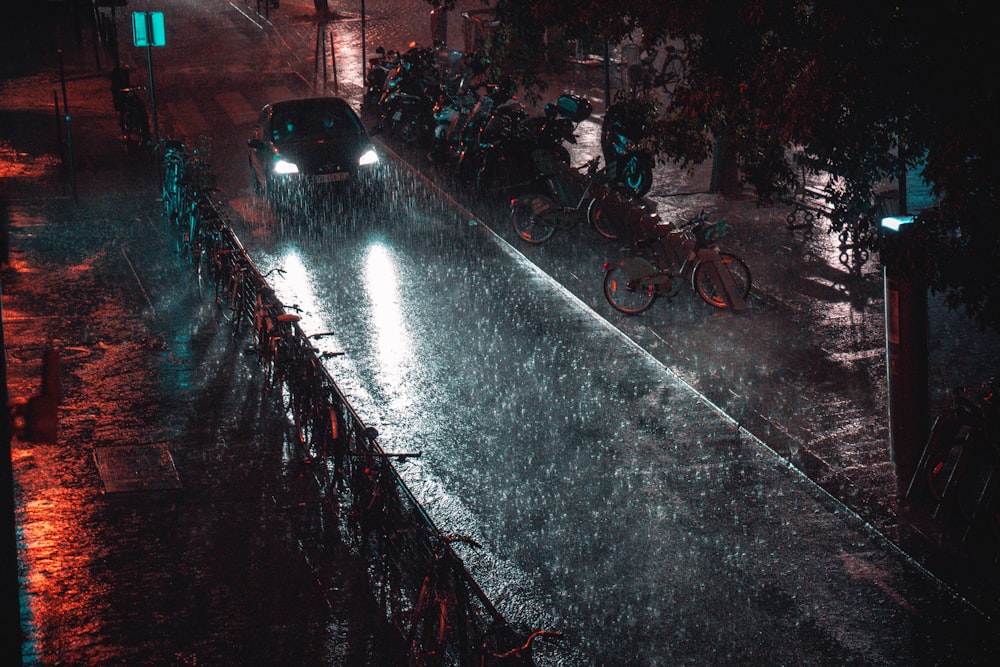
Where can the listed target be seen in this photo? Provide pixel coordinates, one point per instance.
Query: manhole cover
(136, 468)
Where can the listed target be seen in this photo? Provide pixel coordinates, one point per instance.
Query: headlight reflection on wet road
(390, 336)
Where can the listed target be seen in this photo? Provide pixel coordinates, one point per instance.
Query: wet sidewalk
(168, 525)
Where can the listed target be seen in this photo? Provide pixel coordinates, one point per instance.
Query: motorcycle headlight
(283, 166)
(368, 157)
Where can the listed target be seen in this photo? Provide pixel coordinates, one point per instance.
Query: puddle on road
(16, 164)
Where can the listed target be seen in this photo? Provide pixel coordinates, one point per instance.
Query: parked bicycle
(688, 251)
(959, 465)
(663, 69)
(436, 619)
(275, 340)
(234, 292)
(536, 217)
(174, 165)
(133, 119)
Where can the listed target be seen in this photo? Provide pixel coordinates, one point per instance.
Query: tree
(866, 88)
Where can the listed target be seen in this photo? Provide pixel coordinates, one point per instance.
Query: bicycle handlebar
(590, 165)
(452, 538)
(701, 217)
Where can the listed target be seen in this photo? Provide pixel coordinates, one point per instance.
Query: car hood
(324, 156)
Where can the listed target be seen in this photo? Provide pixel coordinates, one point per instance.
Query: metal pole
(149, 66)
(59, 139)
(114, 33)
(12, 635)
(69, 150)
(364, 57)
(62, 80)
(333, 61)
(607, 77)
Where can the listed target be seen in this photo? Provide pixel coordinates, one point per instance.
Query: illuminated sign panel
(148, 29)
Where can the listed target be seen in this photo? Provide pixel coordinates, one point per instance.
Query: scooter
(629, 167)
(379, 69)
(509, 141)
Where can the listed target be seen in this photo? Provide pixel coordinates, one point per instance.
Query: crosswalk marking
(188, 118)
(278, 93)
(237, 108)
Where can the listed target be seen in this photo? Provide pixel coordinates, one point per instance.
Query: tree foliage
(866, 88)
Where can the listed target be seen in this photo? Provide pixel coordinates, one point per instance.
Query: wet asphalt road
(607, 493)
(542, 427)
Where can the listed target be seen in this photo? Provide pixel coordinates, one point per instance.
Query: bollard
(42, 413)
(69, 150)
(906, 325)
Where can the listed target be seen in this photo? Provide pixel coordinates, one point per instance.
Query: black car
(303, 143)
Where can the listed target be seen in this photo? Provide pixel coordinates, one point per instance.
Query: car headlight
(283, 166)
(368, 157)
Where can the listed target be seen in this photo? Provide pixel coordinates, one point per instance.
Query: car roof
(309, 103)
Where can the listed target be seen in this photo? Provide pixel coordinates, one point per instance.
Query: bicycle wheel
(599, 220)
(976, 479)
(303, 417)
(200, 259)
(221, 269)
(275, 363)
(943, 468)
(237, 306)
(182, 227)
(629, 295)
(636, 173)
(531, 216)
(704, 283)
(430, 629)
(673, 70)
(173, 167)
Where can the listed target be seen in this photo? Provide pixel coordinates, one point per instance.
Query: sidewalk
(195, 568)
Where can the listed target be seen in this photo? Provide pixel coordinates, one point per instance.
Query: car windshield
(312, 121)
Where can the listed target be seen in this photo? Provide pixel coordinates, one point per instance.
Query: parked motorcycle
(461, 118)
(378, 72)
(508, 142)
(406, 105)
(630, 167)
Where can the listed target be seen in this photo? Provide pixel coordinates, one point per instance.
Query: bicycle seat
(288, 317)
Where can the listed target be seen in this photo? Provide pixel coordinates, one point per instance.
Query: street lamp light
(906, 345)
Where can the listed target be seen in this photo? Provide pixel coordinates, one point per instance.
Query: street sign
(149, 32)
